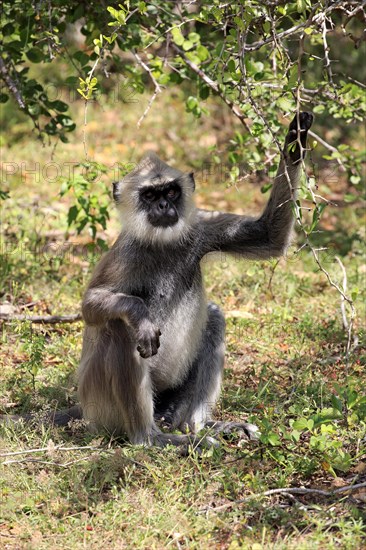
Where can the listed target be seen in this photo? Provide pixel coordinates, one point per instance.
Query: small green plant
(35, 347)
(91, 199)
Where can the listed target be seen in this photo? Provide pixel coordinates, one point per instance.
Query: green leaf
(187, 45)
(72, 81)
(81, 57)
(348, 197)
(292, 76)
(118, 15)
(266, 187)
(142, 7)
(72, 214)
(204, 92)
(177, 36)
(354, 293)
(300, 425)
(355, 179)
(35, 55)
(65, 121)
(257, 128)
(285, 103)
(336, 403)
(191, 103)
(57, 105)
(202, 52)
(194, 37)
(301, 5)
(274, 439)
(3, 98)
(34, 109)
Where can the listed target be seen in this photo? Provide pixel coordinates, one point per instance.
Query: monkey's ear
(116, 190)
(193, 183)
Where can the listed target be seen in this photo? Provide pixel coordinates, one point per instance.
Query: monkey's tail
(54, 418)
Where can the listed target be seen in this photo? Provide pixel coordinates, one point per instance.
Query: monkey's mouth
(163, 220)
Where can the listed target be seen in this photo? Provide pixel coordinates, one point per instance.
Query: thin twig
(328, 66)
(47, 319)
(313, 19)
(343, 307)
(54, 448)
(157, 87)
(291, 491)
(327, 146)
(46, 462)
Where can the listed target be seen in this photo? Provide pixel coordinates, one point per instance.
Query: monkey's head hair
(149, 172)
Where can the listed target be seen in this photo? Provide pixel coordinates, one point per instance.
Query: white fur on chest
(180, 338)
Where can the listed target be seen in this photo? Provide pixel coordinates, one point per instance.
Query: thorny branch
(313, 19)
(214, 86)
(242, 39)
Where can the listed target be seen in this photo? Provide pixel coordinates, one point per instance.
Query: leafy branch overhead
(247, 53)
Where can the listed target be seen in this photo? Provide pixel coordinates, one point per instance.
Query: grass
(286, 370)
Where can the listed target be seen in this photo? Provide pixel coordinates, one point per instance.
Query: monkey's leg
(190, 405)
(115, 389)
(114, 383)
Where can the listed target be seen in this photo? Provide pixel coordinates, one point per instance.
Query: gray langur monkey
(153, 347)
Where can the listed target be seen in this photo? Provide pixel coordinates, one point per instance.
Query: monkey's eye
(173, 194)
(149, 196)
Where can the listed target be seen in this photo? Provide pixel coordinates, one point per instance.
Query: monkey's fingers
(148, 342)
(295, 149)
(305, 120)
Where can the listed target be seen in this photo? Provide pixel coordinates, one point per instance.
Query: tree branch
(291, 491)
(47, 319)
(11, 84)
(214, 86)
(156, 86)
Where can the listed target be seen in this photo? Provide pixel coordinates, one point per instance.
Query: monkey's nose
(163, 204)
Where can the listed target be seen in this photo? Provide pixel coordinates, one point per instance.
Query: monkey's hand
(148, 341)
(146, 334)
(293, 148)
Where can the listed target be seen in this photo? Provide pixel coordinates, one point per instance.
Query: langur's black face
(162, 203)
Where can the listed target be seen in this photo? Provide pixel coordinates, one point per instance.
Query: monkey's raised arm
(268, 235)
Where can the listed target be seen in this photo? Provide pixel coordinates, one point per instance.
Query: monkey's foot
(242, 429)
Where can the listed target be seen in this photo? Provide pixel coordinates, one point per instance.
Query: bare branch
(292, 491)
(55, 448)
(46, 319)
(343, 308)
(328, 67)
(157, 91)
